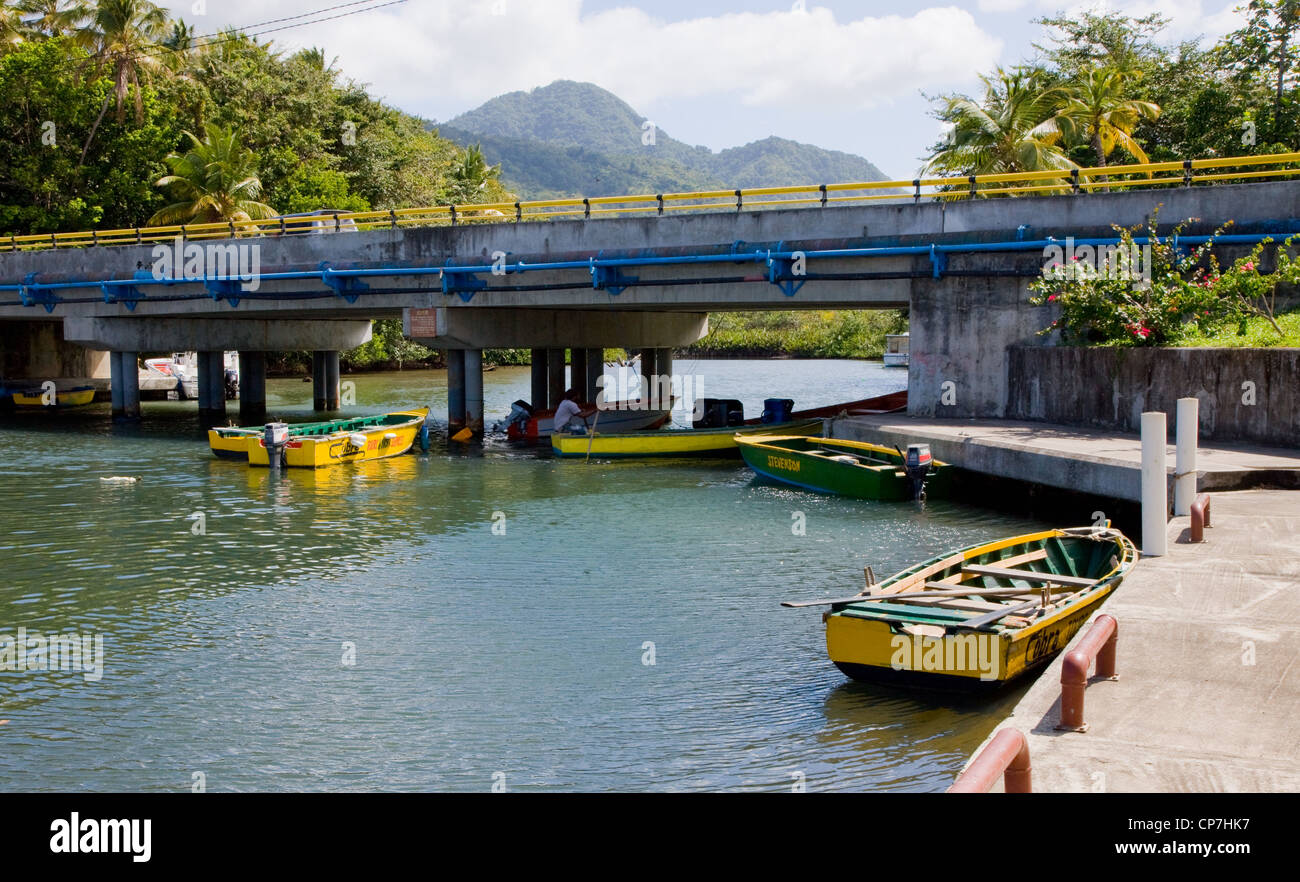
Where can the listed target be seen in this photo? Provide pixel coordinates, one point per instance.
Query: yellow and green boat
(232, 442)
(78, 396)
(685, 443)
(847, 468)
(317, 444)
(979, 617)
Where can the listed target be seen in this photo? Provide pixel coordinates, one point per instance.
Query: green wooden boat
(847, 468)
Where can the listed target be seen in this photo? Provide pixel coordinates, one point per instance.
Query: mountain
(577, 139)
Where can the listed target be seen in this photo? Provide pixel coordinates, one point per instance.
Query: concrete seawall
(1245, 394)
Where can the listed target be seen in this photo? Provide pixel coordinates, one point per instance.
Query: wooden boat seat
(1027, 575)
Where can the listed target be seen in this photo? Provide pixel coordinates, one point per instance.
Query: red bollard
(1099, 643)
(1006, 755)
(1200, 517)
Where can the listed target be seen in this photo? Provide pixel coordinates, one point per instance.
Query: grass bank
(798, 334)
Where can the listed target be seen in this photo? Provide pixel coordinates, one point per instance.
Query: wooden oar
(592, 435)
(905, 595)
(981, 621)
(859, 456)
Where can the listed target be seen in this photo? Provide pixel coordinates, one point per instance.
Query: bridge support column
(647, 373)
(455, 390)
(554, 377)
(212, 388)
(252, 388)
(538, 392)
(595, 369)
(578, 369)
(130, 370)
(115, 383)
(325, 379)
(474, 391)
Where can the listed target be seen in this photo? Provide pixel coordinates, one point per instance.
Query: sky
(843, 75)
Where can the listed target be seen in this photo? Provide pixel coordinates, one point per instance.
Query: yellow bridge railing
(1065, 181)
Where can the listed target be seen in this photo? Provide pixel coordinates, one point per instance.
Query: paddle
(905, 595)
(592, 434)
(859, 456)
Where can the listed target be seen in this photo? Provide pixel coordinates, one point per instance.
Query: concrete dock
(1208, 663)
(1069, 457)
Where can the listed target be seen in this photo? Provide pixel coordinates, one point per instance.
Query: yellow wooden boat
(319, 447)
(978, 617)
(75, 397)
(689, 443)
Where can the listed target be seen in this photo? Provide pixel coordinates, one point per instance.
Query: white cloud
(437, 57)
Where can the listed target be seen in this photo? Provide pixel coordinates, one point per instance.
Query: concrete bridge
(640, 282)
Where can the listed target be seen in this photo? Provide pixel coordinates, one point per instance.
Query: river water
(364, 627)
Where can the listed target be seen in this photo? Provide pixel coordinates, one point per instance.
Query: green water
(478, 657)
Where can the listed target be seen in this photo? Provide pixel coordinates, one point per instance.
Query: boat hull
(895, 642)
(78, 397)
(801, 463)
(689, 443)
(538, 427)
(337, 448)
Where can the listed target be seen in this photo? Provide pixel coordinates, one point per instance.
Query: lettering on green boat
(947, 655)
(783, 463)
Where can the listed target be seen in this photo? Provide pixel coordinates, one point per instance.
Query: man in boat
(570, 416)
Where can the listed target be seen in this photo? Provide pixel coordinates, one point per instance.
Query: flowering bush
(1154, 293)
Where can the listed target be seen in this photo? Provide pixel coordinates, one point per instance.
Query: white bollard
(1155, 490)
(1185, 460)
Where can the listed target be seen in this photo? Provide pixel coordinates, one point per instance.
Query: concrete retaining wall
(36, 350)
(1245, 394)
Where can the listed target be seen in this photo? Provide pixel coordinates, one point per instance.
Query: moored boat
(77, 396)
(525, 424)
(231, 442)
(979, 617)
(843, 467)
(316, 445)
(687, 442)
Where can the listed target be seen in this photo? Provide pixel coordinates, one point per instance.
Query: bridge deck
(1069, 457)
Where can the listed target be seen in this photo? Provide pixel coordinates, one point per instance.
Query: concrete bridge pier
(595, 370)
(455, 390)
(555, 386)
(125, 384)
(252, 388)
(538, 392)
(325, 379)
(212, 387)
(474, 391)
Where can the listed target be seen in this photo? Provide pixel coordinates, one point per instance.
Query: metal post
(455, 390)
(115, 382)
(1185, 428)
(331, 379)
(474, 391)
(554, 377)
(252, 388)
(130, 372)
(538, 391)
(1155, 487)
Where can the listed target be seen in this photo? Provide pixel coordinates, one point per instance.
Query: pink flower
(1249, 265)
(1051, 297)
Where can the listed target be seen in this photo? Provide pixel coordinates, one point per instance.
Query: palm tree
(123, 36)
(53, 17)
(1098, 111)
(11, 27)
(216, 180)
(1014, 128)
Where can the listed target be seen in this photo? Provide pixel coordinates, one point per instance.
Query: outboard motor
(916, 465)
(275, 436)
(719, 412)
(231, 379)
(777, 410)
